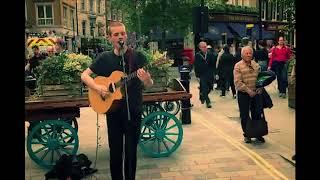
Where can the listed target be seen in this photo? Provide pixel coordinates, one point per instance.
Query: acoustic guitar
(115, 84)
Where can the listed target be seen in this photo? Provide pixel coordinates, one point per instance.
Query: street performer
(117, 120)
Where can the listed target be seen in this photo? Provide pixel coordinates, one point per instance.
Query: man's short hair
(245, 48)
(35, 47)
(113, 24)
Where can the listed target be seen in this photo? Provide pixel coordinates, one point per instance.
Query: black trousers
(280, 69)
(118, 125)
(246, 103)
(227, 82)
(205, 88)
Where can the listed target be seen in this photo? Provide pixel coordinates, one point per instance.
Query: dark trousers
(246, 103)
(205, 88)
(118, 125)
(280, 68)
(227, 82)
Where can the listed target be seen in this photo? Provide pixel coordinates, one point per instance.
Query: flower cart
(53, 112)
(53, 109)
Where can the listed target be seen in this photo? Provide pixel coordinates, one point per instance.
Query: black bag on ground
(74, 166)
(257, 127)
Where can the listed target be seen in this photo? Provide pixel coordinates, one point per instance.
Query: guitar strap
(130, 55)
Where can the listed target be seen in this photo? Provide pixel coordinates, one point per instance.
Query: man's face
(281, 41)
(50, 51)
(203, 47)
(247, 55)
(36, 51)
(117, 33)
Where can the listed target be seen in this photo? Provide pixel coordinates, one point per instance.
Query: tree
(290, 11)
(144, 15)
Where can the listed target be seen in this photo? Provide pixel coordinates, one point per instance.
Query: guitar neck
(134, 74)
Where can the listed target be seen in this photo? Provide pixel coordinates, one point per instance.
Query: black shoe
(261, 139)
(222, 95)
(247, 140)
(234, 96)
(209, 105)
(202, 101)
(293, 157)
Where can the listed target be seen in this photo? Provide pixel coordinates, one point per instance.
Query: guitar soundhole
(111, 87)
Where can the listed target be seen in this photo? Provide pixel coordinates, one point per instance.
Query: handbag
(265, 78)
(257, 127)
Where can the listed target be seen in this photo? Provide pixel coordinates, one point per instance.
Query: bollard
(185, 115)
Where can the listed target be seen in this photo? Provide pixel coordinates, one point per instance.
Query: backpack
(71, 166)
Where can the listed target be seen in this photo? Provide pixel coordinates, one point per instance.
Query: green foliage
(62, 69)
(222, 8)
(156, 68)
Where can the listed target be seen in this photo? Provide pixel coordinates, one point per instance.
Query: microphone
(121, 43)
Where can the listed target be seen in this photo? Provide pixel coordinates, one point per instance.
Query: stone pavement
(212, 146)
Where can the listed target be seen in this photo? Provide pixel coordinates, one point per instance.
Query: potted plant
(60, 75)
(158, 68)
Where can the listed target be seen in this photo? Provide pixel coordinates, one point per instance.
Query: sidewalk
(212, 148)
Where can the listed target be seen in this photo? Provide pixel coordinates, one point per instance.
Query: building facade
(273, 16)
(53, 18)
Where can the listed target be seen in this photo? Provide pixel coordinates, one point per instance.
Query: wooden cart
(53, 124)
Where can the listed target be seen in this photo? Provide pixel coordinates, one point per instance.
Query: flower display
(62, 69)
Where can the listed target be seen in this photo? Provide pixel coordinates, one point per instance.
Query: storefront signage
(232, 18)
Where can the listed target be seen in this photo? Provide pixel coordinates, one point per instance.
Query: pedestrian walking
(225, 71)
(204, 68)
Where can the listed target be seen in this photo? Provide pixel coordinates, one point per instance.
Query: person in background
(204, 68)
(50, 51)
(34, 61)
(60, 47)
(225, 71)
(261, 55)
(279, 58)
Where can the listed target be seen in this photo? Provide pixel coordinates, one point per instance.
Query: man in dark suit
(204, 67)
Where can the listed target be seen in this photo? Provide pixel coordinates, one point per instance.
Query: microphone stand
(128, 111)
(125, 82)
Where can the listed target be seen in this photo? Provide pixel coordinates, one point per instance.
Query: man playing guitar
(122, 150)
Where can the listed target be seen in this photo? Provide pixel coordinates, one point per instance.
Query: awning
(265, 34)
(238, 29)
(216, 30)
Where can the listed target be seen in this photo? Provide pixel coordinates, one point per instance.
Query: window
(274, 11)
(98, 6)
(25, 9)
(91, 6)
(285, 14)
(263, 10)
(65, 17)
(44, 14)
(280, 11)
(114, 15)
(119, 16)
(269, 12)
(84, 28)
(109, 13)
(83, 6)
(72, 19)
(92, 27)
